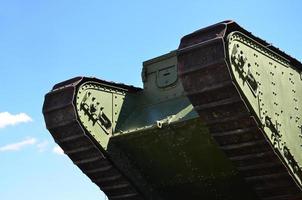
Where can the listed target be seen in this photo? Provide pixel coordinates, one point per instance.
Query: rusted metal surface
(205, 75)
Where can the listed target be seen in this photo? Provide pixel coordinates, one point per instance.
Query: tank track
(61, 120)
(207, 82)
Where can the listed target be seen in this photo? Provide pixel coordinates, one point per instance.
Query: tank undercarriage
(217, 119)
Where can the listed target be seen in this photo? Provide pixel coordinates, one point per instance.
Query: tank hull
(182, 161)
(205, 126)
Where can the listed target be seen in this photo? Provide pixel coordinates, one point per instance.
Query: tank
(218, 119)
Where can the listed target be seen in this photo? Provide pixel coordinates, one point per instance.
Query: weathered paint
(211, 122)
(275, 98)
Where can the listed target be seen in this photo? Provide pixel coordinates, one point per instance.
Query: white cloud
(8, 119)
(42, 146)
(19, 145)
(58, 150)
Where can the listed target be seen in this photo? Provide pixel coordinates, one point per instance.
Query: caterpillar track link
(237, 82)
(218, 119)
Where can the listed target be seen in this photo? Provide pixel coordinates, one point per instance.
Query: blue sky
(44, 42)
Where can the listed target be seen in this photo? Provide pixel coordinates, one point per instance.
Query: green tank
(217, 119)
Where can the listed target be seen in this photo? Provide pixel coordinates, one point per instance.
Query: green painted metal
(161, 102)
(272, 88)
(161, 134)
(174, 139)
(99, 108)
(182, 161)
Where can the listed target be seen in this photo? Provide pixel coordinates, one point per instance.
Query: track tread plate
(228, 119)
